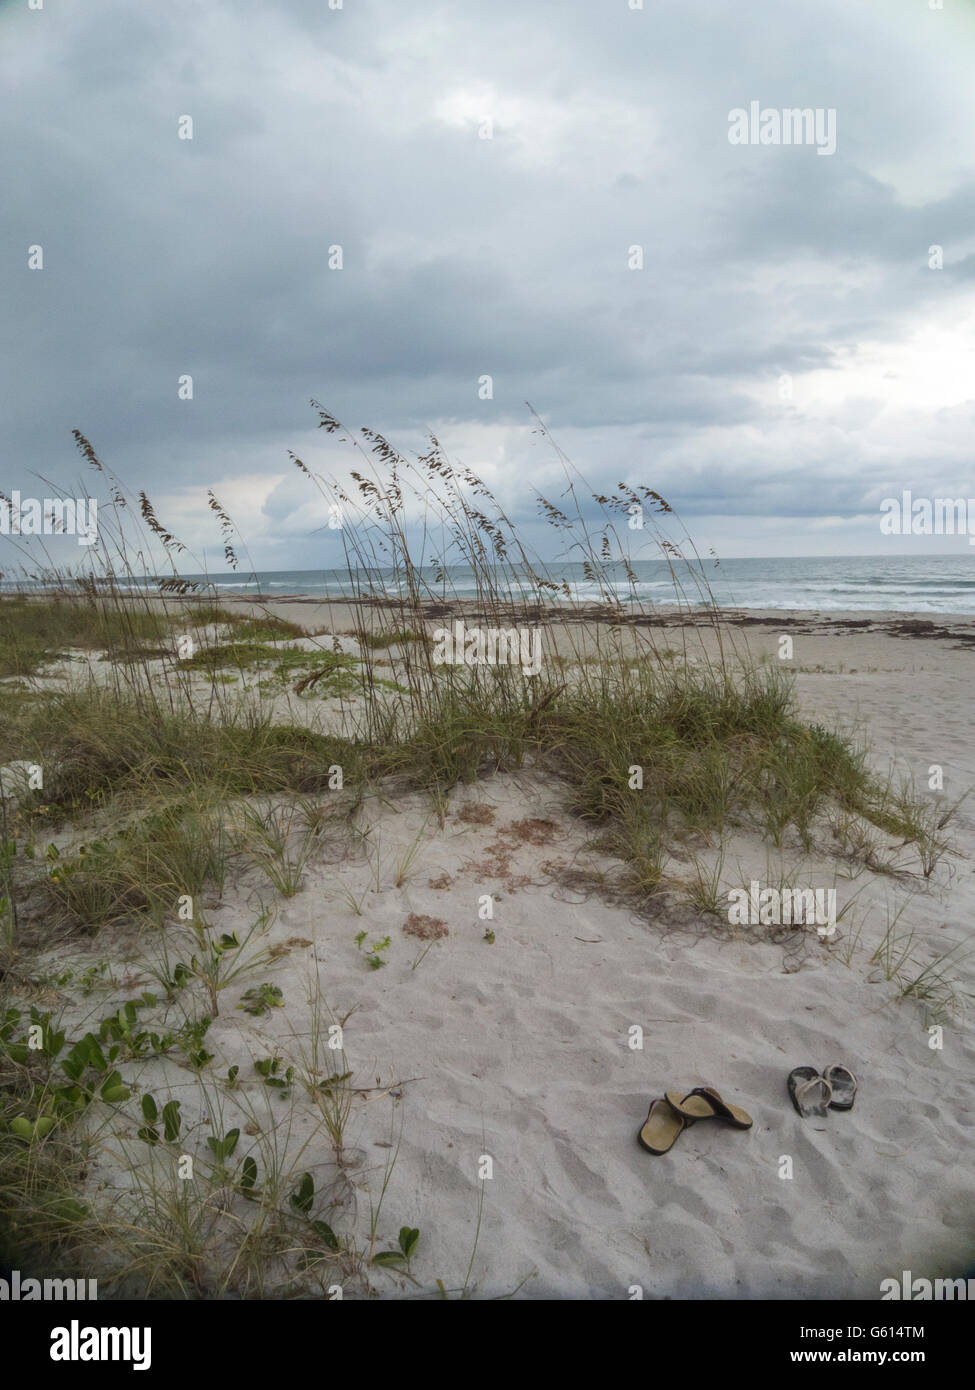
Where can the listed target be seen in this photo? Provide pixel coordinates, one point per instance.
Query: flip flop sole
(691, 1107)
(844, 1087)
(802, 1086)
(660, 1129)
(705, 1103)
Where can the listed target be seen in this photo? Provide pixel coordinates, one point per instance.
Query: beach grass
(163, 782)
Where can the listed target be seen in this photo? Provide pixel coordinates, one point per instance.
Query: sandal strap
(806, 1086)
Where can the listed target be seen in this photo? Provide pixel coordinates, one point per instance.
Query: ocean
(916, 583)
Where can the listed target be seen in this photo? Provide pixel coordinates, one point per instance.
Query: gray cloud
(464, 256)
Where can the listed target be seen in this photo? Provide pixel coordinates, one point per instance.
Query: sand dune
(518, 1049)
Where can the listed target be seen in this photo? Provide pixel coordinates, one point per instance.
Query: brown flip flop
(705, 1103)
(660, 1129)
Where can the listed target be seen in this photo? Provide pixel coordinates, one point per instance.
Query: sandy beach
(504, 1052)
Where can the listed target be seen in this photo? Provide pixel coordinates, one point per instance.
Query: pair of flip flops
(671, 1113)
(813, 1092)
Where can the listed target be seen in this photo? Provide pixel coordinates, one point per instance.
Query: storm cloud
(542, 192)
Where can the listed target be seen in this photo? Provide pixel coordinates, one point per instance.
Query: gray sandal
(843, 1085)
(811, 1093)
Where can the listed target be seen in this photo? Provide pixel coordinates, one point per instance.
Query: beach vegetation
(171, 778)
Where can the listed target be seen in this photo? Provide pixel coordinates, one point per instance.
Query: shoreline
(895, 622)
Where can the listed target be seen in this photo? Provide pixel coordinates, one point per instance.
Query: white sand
(518, 1050)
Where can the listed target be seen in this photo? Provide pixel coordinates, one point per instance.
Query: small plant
(933, 988)
(325, 1070)
(216, 962)
(354, 904)
(265, 839)
(302, 1200)
(261, 999)
(374, 954)
(409, 1237)
(170, 1116)
(895, 949)
(268, 1068)
(90, 979)
(405, 863)
(222, 1149)
(704, 890)
(191, 1042)
(132, 1041)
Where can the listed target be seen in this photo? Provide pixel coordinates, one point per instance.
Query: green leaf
(22, 1127)
(224, 1147)
(148, 1135)
(70, 1095)
(304, 1193)
(248, 1174)
(95, 1057)
(331, 1081)
(76, 1060)
(171, 1120)
(113, 1090)
(408, 1238)
(389, 1257)
(323, 1229)
(149, 1109)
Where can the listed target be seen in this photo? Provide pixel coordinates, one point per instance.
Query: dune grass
(36, 630)
(173, 780)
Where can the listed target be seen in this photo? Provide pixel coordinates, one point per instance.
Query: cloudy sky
(785, 359)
